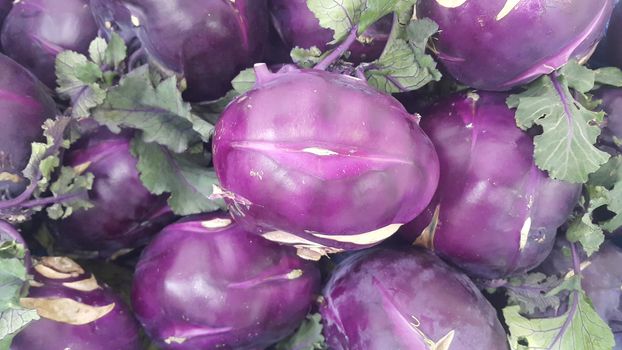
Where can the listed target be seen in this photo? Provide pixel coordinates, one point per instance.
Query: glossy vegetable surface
(406, 299)
(207, 41)
(76, 312)
(334, 165)
(613, 42)
(125, 213)
(204, 283)
(496, 213)
(25, 105)
(500, 44)
(35, 31)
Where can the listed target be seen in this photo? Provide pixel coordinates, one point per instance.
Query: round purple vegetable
(204, 283)
(207, 41)
(601, 280)
(495, 213)
(334, 165)
(76, 312)
(5, 7)
(25, 105)
(612, 133)
(125, 213)
(35, 31)
(613, 41)
(298, 26)
(499, 44)
(406, 299)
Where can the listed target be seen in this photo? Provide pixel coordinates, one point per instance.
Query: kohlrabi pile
(310, 175)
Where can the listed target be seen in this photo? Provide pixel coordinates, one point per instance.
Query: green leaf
(605, 189)
(13, 283)
(529, 291)
(12, 321)
(77, 80)
(116, 51)
(375, 10)
(342, 15)
(609, 174)
(97, 51)
(74, 186)
(584, 231)
(566, 147)
(44, 158)
(306, 58)
(158, 111)
(185, 176)
(580, 328)
(578, 77)
(614, 205)
(212, 110)
(609, 76)
(307, 337)
(244, 81)
(404, 65)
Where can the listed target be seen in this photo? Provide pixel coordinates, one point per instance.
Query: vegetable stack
(310, 174)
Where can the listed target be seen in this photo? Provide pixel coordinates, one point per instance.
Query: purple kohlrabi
(35, 31)
(613, 41)
(495, 213)
(335, 165)
(76, 311)
(125, 213)
(25, 105)
(207, 41)
(406, 299)
(5, 7)
(205, 283)
(499, 44)
(298, 26)
(611, 137)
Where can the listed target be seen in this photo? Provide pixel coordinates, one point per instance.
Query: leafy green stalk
(579, 328)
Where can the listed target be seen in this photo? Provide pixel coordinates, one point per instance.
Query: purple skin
(335, 166)
(405, 299)
(5, 7)
(205, 283)
(613, 41)
(104, 322)
(499, 44)
(35, 31)
(25, 105)
(497, 213)
(602, 278)
(125, 213)
(612, 105)
(298, 26)
(207, 41)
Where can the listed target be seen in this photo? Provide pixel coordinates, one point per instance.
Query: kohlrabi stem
(54, 200)
(360, 73)
(574, 295)
(17, 201)
(339, 50)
